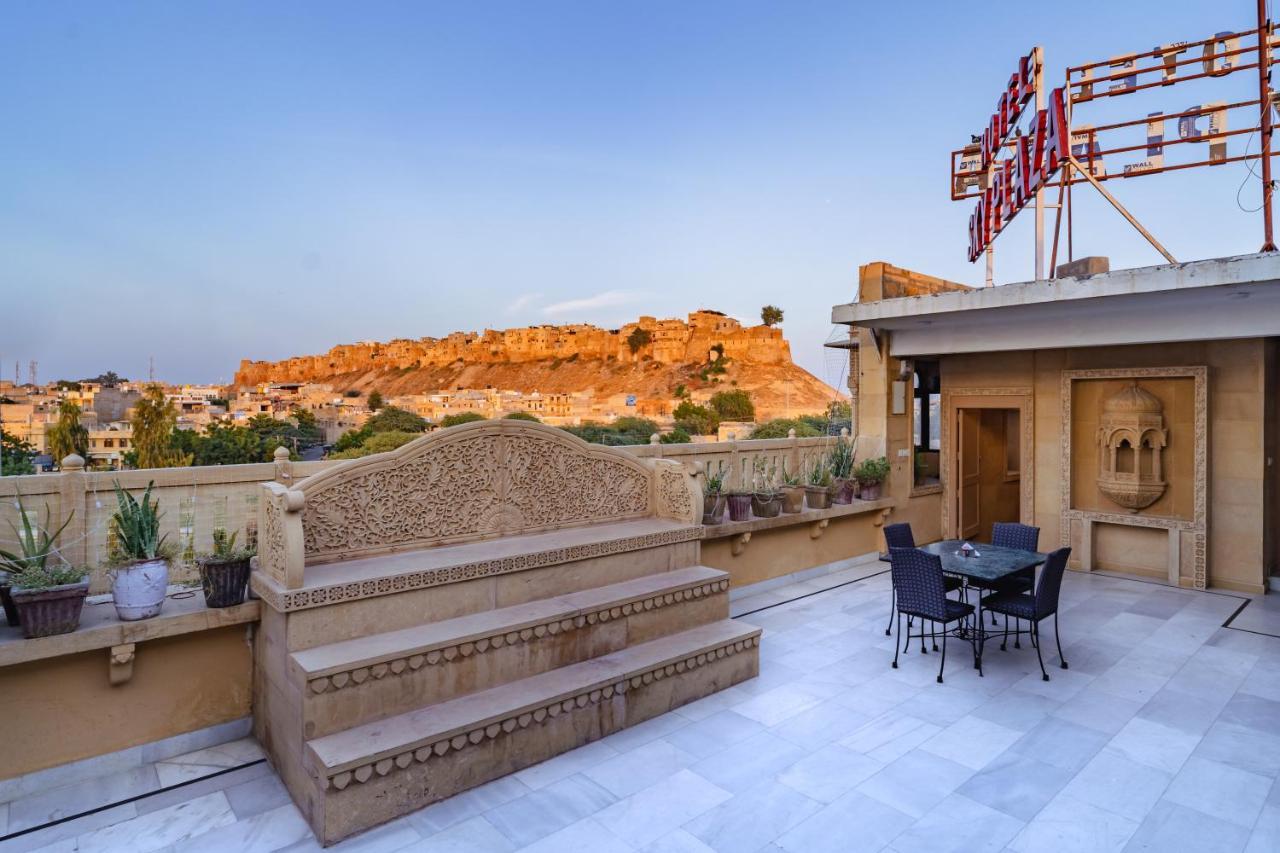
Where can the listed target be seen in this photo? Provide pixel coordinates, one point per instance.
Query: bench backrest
(476, 481)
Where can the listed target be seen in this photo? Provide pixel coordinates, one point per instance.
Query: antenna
(17, 373)
(31, 371)
(151, 368)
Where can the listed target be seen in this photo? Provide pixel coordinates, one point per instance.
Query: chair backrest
(898, 536)
(1050, 583)
(1010, 534)
(917, 576)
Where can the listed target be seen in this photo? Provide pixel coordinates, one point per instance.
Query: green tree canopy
(771, 315)
(676, 436)
(780, 427)
(638, 339)
(461, 418)
(379, 442)
(733, 405)
(154, 420)
(523, 416)
(375, 400)
(68, 434)
(15, 455)
(392, 419)
(695, 419)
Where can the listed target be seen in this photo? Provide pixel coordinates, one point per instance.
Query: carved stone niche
(1131, 440)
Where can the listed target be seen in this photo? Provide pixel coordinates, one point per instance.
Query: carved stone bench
(479, 600)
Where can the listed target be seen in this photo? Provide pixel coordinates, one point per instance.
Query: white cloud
(600, 300)
(520, 303)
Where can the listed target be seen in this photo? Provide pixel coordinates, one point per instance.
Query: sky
(202, 182)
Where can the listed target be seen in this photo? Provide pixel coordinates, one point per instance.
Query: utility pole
(1264, 104)
(31, 371)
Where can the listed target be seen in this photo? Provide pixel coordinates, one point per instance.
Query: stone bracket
(120, 663)
(818, 528)
(739, 543)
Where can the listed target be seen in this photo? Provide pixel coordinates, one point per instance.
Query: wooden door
(969, 473)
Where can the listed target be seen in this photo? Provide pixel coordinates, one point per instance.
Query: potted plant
(871, 474)
(739, 505)
(817, 492)
(840, 461)
(766, 500)
(713, 497)
(140, 577)
(224, 574)
(49, 600)
(46, 595)
(792, 491)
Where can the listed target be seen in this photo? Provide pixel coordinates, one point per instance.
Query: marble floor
(1163, 735)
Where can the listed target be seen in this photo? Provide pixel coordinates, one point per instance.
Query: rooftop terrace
(1164, 735)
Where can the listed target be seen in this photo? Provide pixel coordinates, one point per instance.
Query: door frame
(954, 399)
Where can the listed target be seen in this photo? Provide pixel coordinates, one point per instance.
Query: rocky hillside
(648, 358)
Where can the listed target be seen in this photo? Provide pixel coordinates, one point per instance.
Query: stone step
(377, 771)
(355, 681)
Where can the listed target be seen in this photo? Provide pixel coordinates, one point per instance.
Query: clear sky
(201, 181)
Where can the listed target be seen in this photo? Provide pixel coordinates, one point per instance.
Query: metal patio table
(994, 564)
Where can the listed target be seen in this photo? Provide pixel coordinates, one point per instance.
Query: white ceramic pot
(139, 589)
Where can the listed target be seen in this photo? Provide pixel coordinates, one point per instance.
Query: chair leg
(1017, 632)
(893, 608)
(923, 650)
(934, 635)
(943, 664)
(1035, 629)
(896, 642)
(1004, 639)
(1057, 638)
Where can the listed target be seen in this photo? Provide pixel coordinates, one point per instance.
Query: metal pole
(1038, 55)
(1088, 176)
(1264, 104)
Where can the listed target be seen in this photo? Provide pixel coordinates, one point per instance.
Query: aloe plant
(715, 482)
(224, 547)
(819, 474)
(840, 459)
(36, 544)
(137, 525)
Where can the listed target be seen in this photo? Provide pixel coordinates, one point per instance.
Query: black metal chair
(1023, 537)
(921, 593)
(899, 536)
(1037, 607)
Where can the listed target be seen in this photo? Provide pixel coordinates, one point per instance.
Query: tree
(392, 419)
(351, 393)
(623, 431)
(67, 385)
(681, 392)
(375, 400)
(377, 443)
(523, 416)
(154, 419)
(222, 444)
(676, 436)
(771, 315)
(352, 438)
(733, 405)
(638, 339)
(781, 427)
(15, 455)
(68, 434)
(461, 418)
(110, 379)
(695, 419)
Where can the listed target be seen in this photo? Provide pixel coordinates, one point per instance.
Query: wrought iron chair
(921, 593)
(899, 536)
(1037, 607)
(1023, 537)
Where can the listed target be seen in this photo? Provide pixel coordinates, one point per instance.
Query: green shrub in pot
(140, 577)
(224, 573)
(871, 474)
(45, 594)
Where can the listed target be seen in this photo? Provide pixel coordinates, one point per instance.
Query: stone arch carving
(1131, 441)
(470, 482)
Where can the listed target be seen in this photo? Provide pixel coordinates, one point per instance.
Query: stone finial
(72, 462)
(844, 432)
(655, 439)
(791, 433)
(281, 454)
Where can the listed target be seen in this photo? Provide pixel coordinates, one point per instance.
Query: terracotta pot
(766, 506)
(844, 487)
(139, 589)
(55, 610)
(792, 498)
(712, 509)
(870, 491)
(224, 582)
(10, 612)
(739, 507)
(817, 497)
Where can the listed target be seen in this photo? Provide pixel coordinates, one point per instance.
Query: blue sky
(201, 182)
